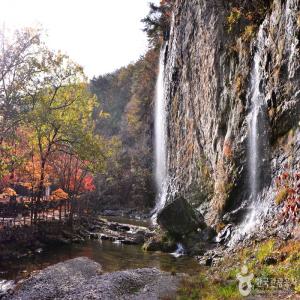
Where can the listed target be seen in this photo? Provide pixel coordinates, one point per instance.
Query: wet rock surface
(81, 278)
(179, 218)
(224, 235)
(208, 85)
(6, 288)
(236, 216)
(157, 243)
(126, 234)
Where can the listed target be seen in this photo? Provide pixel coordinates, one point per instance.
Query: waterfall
(257, 103)
(257, 141)
(258, 137)
(160, 123)
(254, 142)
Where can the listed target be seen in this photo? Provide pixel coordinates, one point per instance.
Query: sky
(100, 35)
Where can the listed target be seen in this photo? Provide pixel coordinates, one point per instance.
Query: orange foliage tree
(72, 174)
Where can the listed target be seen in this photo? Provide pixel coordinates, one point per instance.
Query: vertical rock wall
(208, 67)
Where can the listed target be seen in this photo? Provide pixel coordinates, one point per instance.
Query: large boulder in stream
(179, 218)
(82, 278)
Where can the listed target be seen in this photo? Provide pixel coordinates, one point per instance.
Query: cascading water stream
(254, 130)
(258, 160)
(257, 142)
(254, 141)
(160, 119)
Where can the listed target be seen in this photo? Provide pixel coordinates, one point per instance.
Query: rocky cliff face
(209, 59)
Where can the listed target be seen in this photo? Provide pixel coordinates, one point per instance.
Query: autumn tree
(21, 55)
(60, 116)
(71, 174)
(19, 64)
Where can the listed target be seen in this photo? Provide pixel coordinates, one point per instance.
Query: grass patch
(229, 291)
(203, 288)
(231, 274)
(219, 282)
(265, 250)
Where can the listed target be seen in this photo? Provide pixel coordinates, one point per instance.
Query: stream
(111, 256)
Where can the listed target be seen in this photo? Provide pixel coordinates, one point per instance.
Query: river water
(111, 256)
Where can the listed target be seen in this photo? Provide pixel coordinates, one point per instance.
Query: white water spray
(258, 145)
(254, 134)
(256, 121)
(160, 123)
(179, 251)
(254, 144)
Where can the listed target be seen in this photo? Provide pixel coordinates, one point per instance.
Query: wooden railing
(22, 211)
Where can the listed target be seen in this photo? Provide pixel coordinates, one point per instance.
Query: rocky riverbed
(82, 278)
(127, 234)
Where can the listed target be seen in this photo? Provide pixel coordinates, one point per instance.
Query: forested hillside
(126, 96)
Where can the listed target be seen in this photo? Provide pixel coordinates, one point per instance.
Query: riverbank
(136, 274)
(28, 241)
(116, 246)
(273, 264)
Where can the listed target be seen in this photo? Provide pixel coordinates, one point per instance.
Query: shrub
(233, 18)
(248, 15)
(281, 196)
(288, 186)
(249, 32)
(239, 83)
(220, 226)
(227, 149)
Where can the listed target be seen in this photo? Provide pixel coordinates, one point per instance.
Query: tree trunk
(40, 188)
(60, 211)
(71, 214)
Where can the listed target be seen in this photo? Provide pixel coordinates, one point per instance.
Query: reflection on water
(112, 257)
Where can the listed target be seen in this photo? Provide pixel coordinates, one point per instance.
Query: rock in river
(179, 218)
